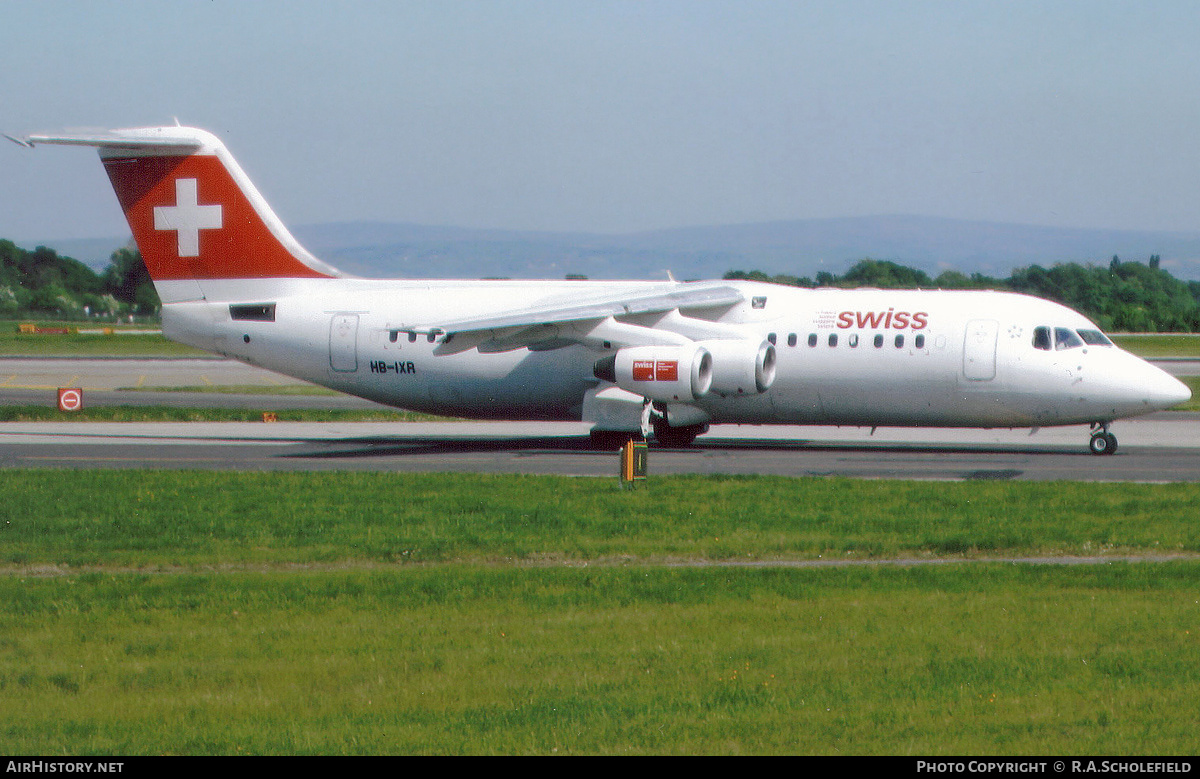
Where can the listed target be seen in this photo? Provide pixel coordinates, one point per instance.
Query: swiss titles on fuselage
(883, 320)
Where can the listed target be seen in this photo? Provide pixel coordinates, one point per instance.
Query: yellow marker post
(633, 462)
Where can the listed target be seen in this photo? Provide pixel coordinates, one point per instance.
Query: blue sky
(623, 116)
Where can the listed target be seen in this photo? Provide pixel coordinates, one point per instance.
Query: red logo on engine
(656, 370)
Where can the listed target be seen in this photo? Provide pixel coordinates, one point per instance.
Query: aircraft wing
(580, 320)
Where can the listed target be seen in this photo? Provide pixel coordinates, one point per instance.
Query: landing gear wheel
(1103, 443)
(673, 437)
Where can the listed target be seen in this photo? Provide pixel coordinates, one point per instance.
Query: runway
(1163, 447)
(1157, 449)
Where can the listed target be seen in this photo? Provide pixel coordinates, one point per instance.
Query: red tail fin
(193, 212)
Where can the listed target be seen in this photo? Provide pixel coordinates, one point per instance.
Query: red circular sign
(70, 399)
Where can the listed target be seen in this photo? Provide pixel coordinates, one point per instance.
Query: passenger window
(791, 339)
(812, 339)
(1041, 338)
(919, 342)
(833, 339)
(878, 341)
(772, 338)
(854, 341)
(899, 342)
(1065, 338)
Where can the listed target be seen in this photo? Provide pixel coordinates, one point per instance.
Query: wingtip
(19, 141)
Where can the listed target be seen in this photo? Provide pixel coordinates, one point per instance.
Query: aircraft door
(979, 350)
(343, 343)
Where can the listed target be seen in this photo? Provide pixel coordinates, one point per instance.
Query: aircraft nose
(1161, 390)
(1173, 392)
(1134, 386)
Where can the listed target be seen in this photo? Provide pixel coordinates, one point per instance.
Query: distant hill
(798, 247)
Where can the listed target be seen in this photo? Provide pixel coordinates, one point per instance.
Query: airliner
(631, 358)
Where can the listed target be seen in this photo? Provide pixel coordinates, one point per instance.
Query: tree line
(42, 283)
(1122, 297)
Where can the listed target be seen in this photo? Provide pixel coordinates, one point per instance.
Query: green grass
(994, 660)
(153, 519)
(16, 344)
(161, 612)
(1160, 344)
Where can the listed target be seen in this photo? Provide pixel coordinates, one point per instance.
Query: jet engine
(741, 366)
(667, 373)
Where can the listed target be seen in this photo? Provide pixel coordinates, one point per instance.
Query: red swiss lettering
(643, 370)
(883, 320)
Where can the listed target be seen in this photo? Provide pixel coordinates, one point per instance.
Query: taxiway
(1163, 447)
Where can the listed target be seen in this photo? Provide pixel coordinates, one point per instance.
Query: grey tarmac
(1161, 448)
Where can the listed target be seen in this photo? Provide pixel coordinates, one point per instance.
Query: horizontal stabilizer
(156, 137)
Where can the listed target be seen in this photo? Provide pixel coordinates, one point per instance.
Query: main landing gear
(614, 440)
(676, 437)
(1103, 442)
(664, 435)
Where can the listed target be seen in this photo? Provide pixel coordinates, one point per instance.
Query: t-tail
(194, 213)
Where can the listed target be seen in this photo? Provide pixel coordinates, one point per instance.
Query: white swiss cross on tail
(187, 217)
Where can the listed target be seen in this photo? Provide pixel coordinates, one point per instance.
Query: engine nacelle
(667, 373)
(741, 367)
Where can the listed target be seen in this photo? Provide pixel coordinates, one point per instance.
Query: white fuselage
(900, 358)
(620, 355)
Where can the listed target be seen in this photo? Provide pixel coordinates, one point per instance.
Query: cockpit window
(1065, 338)
(1094, 338)
(1041, 338)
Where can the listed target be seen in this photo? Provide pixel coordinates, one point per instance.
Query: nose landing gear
(1103, 442)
